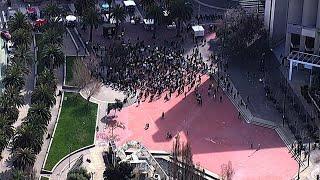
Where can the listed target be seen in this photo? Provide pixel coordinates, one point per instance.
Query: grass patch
(44, 178)
(69, 65)
(76, 128)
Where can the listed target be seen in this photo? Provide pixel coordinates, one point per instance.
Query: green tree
(51, 56)
(23, 158)
(240, 30)
(19, 174)
(47, 77)
(154, 12)
(22, 57)
(91, 18)
(119, 14)
(79, 174)
(28, 136)
(82, 5)
(180, 11)
(14, 77)
(6, 129)
(119, 171)
(52, 11)
(39, 113)
(12, 97)
(22, 37)
(18, 21)
(10, 113)
(43, 95)
(51, 36)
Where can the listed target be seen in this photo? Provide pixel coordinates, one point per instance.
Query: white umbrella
(71, 18)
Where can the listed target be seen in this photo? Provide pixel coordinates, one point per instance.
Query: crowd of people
(149, 71)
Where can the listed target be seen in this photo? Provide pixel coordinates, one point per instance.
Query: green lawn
(75, 128)
(44, 178)
(69, 63)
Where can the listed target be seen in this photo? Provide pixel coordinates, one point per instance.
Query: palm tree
(43, 95)
(9, 113)
(82, 5)
(3, 143)
(12, 97)
(47, 77)
(154, 12)
(91, 18)
(181, 11)
(23, 158)
(40, 113)
(51, 56)
(51, 11)
(28, 136)
(22, 57)
(18, 21)
(6, 130)
(22, 37)
(51, 36)
(14, 77)
(119, 14)
(19, 174)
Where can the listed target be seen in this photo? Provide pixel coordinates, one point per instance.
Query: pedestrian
(138, 101)
(162, 116)
(220, 99)
(251, 146)
(259, 147)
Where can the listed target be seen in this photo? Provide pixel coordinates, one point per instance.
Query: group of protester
(154, 69)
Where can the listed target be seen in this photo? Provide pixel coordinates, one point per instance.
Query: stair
(288, 139)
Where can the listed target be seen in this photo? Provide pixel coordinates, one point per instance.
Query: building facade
(275, 20)
(303, 26)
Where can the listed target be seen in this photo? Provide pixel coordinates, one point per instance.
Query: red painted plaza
(214, 131)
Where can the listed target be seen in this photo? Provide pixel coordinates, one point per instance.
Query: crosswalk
(3, 21)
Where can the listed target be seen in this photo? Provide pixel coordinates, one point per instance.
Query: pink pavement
(215, 133)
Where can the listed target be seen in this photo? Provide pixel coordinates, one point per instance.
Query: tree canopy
(239, 31)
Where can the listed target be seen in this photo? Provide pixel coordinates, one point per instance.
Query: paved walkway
(26, 92)
(54, 114)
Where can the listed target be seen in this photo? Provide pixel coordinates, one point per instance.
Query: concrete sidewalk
(54, 114)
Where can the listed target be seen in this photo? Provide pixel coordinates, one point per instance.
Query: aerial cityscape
(160, 90)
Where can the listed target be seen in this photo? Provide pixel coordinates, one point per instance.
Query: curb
(70, 154)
